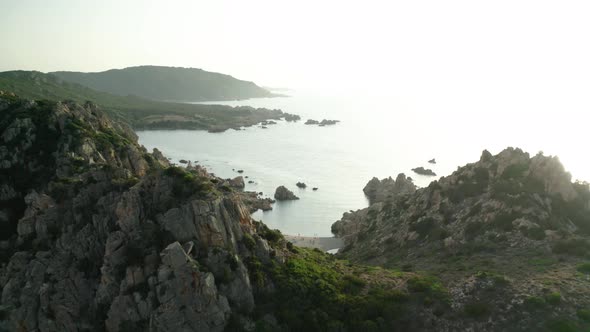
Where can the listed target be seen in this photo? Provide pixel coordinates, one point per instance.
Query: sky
(315, 44)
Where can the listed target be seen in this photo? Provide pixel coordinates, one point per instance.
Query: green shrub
(574, 247)
(477, 309)
(272, 235)
(352, 284)
(562, 325)
(427, 285)
(584, 268)
(534, 233)
(553, 298)
(514, 171)
(249, 241)
(473, 229)
(503, 221)
(534, 302)
(584, 314)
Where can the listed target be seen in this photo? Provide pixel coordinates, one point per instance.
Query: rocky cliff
(97, 233)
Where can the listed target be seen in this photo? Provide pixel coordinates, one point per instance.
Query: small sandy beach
(323, 243)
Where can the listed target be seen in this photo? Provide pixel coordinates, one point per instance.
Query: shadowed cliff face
(98, 233)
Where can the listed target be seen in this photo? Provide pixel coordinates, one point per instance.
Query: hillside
(167, 84)
(137, 112)
(512, 217)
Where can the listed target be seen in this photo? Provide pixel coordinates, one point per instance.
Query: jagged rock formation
(284, 194)
(508, 215)
(301, 185)
(378, 191)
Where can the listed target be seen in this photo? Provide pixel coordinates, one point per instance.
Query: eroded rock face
(377, 191)
(284, 194)
(237, 182)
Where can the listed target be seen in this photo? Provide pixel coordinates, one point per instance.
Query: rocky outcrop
(256, 202)
(291, 117)
(301, 185)
(284, 194)
(509, 198)
(311, 122)
(432, 161)
(423, 171)
(237, 182)
(377, 191)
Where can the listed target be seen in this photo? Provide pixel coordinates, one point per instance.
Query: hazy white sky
(307, 43)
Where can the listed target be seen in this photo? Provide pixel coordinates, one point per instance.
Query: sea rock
(432, 161)
(423, 171)
(284, 194)
(291, 117)
(315, 189)
(240, 171)
(183, 161)
(301, 185)
(325, 122)
(311, 122)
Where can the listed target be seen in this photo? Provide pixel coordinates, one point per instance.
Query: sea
(377, 136)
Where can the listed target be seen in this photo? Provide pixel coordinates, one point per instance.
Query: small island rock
(301, 185)
(423, 171)
(284, 194)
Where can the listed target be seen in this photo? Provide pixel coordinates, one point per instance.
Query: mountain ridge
(167, 83)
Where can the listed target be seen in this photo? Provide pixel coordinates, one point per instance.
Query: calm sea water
(376, 137)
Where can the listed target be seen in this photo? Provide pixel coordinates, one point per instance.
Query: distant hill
(167, 84)
(138, 112)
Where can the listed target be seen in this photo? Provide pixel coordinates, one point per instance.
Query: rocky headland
(508, 236)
